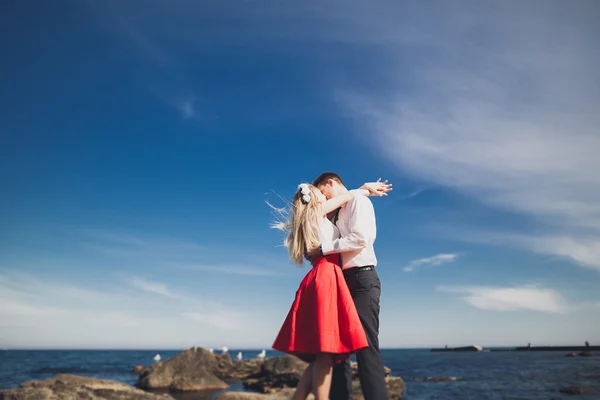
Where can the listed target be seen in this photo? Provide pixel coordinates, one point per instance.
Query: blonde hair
(302, 225)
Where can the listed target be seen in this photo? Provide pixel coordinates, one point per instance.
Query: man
(356, 223)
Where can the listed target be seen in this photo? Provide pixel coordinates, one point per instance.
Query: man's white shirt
(358, 230)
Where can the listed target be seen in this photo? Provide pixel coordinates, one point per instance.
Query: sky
(142, 140)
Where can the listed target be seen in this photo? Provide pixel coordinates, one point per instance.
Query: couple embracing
(336, 309)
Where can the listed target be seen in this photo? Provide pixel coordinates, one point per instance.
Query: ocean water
(478, 376)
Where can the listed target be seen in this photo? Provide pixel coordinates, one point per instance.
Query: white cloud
(519, 298)
(154, 287)
(581, 249)
(131, 250)
(48, 313)
(500, 106)
(234, 270)
(229, 321)
(438, 259)
(188, 109)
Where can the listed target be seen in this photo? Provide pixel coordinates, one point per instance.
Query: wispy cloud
(438, 259)
(581, 249)
(229, 321)
(519, 298)
(412, 194)
(495, 112)
(163, 251)
(187, 108)
(48, 313)
(154, 287)
(234, 270)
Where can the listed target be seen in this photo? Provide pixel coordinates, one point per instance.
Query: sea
(501, 375)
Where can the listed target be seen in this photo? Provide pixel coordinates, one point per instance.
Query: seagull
(211, 350)
(224, 349)
(157, 358)
(239, 356)
(261, 355)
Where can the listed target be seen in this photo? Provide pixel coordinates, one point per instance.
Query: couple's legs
(316, 378)
(365, 288)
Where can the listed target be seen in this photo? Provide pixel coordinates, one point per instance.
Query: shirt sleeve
(361, 224)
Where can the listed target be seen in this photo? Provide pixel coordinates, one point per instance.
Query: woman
(322, 326)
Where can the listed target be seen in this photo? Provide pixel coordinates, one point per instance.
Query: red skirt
(323, 318)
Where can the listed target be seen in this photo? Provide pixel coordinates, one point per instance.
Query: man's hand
(378, 188)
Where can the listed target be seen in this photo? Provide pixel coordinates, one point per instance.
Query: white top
(327, 231)
(358, 229)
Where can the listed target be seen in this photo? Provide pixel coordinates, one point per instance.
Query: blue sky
(141, 141)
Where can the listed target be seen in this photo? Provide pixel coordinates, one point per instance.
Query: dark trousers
(365, 288)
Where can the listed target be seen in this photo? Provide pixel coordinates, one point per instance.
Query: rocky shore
(193, 370)
(72, 387)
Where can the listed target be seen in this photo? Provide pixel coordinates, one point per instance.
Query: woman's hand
(378, 188)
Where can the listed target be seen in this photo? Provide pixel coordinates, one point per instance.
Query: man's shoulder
(360, 201)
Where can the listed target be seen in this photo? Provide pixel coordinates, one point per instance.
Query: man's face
(327, 190)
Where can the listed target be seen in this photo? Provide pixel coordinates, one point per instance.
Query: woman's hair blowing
(302, 225)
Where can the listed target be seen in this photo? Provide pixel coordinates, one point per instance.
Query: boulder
(190, 370)
(284, 394)
(275, 374)
(138, 369)
(354, 366)
(226, 368)
(72, 387)
(395, 387)
(280, 375)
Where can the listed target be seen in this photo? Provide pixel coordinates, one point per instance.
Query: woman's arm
(341, 199)
(368, 189)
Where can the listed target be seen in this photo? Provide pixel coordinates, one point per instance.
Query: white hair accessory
(303, 188)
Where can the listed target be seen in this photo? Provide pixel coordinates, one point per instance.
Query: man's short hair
(325, 176)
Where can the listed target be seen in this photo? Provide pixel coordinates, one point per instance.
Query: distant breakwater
(522, 348)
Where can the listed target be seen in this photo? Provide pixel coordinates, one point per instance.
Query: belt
(359, 269)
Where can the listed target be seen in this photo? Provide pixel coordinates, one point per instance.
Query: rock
(354, 366)
(226, 368)
(284, 394)
(72, 387)
(139, 369)
(190, 370)
(280, 375)
(395, 387)
(577, 390)
(223, 365)
(275, 374)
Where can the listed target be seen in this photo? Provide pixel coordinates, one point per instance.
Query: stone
(354, 366)
(395, 385)
(275, 374)
(138, 369)
(190, 370)
(72, 387)
(226, 368)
